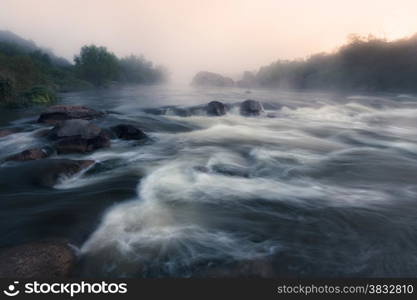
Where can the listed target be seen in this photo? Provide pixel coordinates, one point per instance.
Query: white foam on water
(17, 142)
(169, 222)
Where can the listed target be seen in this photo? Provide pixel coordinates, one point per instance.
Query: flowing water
(319, 185)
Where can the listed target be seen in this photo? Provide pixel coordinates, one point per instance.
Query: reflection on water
(319, 185)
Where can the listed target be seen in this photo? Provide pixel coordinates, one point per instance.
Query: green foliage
(134, 69)
(100, 67)
(367, 64)
(96, 65)
(6, 89)
(40, 95)
(28, 77)
(31, 75)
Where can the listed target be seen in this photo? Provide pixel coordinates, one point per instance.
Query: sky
(225, 36)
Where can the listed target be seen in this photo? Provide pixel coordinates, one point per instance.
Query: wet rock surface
(59, 113)
(7, 131)
(31, 154)
(128, 132)
(48, 172)
(45, 259)
(251, 108)
(71, 128)
(78, 136)
(216, 108)
(80, 145)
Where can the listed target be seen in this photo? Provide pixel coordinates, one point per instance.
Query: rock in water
(31, 154)
(71, 128)
(6, 132)
(78, 136)
(42, 172)
(216, 108)
(49, 259)
(51, 170)
(80, 145)
(41, 133)
(251, 108)
(128, 132)
(59, 113)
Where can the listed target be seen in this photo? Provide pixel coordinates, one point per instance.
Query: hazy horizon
(186, 36)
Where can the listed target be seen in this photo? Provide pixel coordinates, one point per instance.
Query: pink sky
(226, 36)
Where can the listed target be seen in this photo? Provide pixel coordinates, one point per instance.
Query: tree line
(100, 67)
(364, 63)
(29, 74)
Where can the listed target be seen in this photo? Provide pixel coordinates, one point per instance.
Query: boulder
(251, 108)
(7, 131)
(216, 108)
(128, 132)
(59, 113)
(210, 79)
(79, 145)
(46, 173)
(177, 111)
(78, 136)
(48, 259)
(41, 133)
(31, 154)
(51, 170)
(71, 128)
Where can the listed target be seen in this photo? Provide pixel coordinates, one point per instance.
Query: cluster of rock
(73, 132)
(247, 108)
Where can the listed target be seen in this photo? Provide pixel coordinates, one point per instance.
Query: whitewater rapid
(317, 185)
(215, 194)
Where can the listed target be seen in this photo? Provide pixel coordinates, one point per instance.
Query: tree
(138, 70)
(96, 65)
(364, 63)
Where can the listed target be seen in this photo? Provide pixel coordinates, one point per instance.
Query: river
(321, 184)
